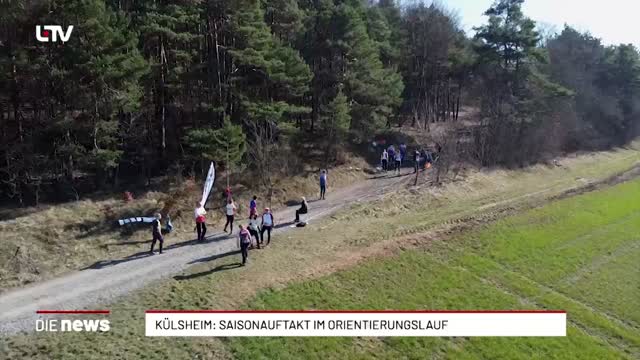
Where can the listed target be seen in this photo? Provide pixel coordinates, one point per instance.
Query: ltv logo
(52, 33)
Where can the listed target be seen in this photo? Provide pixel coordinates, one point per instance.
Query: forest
(149, 88)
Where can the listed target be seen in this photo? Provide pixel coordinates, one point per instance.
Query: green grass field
(578, 254)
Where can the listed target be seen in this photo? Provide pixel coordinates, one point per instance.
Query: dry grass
(40, 243)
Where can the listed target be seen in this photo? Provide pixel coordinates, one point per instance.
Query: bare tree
(262, 152)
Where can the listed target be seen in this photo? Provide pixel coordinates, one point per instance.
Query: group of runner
(254, 229)
(392, 159)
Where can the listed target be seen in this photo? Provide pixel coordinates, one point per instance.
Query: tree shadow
(109, 224)
(8, 214)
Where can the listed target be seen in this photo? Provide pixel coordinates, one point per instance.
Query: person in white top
(384, 159)
(201, 226)
(267, 225)
(254, 229)
(230, 210)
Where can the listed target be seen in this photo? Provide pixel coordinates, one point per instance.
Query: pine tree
(95, 77)
(374, 91)
(285, 19)
(515, 93)
(336, 123)
(226, 145)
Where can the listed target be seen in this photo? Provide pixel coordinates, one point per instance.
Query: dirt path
(107, 280)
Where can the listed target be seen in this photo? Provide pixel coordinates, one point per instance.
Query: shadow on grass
(129, 243)
(214, 257)
(283, 225)
(208, 272)
(104, 263)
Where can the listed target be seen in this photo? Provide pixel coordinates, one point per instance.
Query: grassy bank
(405, 219)
(40, 243)
(576, 254)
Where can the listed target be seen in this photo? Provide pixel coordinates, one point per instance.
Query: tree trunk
(163, 60)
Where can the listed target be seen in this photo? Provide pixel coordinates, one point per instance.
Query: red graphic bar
(362, 311)
(73, 312)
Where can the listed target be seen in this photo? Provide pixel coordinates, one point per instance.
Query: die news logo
(52, 33)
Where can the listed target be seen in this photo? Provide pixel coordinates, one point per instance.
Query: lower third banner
(222, 323)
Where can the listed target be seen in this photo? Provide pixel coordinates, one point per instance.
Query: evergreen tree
(336, 122)
(374, 92)
(226, 145)
(145, 87)
(104, 68)
(285, 19)
(514, 91)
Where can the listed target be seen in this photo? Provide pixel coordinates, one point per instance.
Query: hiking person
(392, 153)
(254, 229)
(156, 232)
(253, 207)
(267, 225)
(416, 161)
(201, 226)
(403, 152)
(398, 158)
(244, 239)
(323, 183)
(384, 159)
(230, 211)
(304, 208)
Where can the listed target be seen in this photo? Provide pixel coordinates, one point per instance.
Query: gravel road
(107, 280)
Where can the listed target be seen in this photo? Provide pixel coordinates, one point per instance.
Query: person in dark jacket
(244, 238)
(302, 210)
(416, 161)
(323, 184)
(403, 152)
(156, 232)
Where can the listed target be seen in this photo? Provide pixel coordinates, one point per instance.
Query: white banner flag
(208, 184)
(136, 220)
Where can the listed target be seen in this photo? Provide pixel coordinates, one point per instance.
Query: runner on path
(230, 211)
(244, 239)
(267, 225)
(416, 161)
(403, 152)
(201, 226)
(156, 232)
(253, 206)
(323, 184)
(384, 159)
(254, 229)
